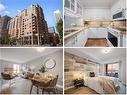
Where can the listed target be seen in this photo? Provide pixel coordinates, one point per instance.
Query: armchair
(7, 76)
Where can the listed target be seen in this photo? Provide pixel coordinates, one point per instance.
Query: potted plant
(43, 69)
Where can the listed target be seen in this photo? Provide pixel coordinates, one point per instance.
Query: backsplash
(97, 23)
(119, 24)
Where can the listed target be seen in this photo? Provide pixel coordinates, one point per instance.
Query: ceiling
(97, 3)
(22, 55)
(97, 54)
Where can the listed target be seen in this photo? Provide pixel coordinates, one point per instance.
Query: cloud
(2, 7)
(19, 11)
(7, 12)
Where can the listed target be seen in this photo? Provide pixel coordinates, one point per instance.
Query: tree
(12, 41)
(4, 40)
(8, 41)
(59, 28)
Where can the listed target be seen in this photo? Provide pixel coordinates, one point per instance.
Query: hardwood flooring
(96, 42)
(22, 86)
(80, 90)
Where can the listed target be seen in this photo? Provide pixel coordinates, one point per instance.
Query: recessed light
(106, 50)
(40, 49)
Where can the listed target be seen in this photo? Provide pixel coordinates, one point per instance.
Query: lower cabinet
(78, 40)
(97, 33)
(124, 40)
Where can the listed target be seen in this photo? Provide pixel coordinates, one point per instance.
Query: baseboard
(60, 86)
(68, 87)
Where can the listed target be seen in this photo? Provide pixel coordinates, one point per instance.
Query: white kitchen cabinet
(102, 33)
(124, 41)
(78, 40)
(91, 33)
(81, 39)
(97, 33)
(118, 6)
(96, 13)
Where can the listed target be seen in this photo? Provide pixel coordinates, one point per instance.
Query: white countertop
(78, 29)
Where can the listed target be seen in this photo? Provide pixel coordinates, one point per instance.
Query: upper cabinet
(79, 9)
(118, 10)
(73, 7)
(96, 14)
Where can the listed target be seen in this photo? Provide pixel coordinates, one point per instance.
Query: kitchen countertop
(77, 30)
(120, 30)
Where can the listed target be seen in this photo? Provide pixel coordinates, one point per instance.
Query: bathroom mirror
(50, 63)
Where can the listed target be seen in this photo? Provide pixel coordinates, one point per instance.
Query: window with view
(16, 68)
(112, 69)
(98, 68)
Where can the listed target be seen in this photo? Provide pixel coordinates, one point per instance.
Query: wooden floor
(21, 86)
(96, 42)
(80, 90)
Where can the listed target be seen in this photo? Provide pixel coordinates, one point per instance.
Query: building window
(112, 69)
(16, 68)
(98, 68)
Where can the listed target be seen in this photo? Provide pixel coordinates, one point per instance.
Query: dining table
(40, 81)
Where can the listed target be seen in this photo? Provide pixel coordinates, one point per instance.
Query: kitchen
(95, 23)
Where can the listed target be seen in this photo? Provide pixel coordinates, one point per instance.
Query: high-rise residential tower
(58, 15)
(30, 27)
(4, 26)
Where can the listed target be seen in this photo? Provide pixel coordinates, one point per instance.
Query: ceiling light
(106, 50)
(40, 49)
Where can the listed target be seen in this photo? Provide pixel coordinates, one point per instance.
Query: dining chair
(38, 85)
(52, 86)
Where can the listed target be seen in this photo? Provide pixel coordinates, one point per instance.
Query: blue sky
(11, 8)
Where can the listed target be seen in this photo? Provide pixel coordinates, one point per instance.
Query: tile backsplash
(97, 23)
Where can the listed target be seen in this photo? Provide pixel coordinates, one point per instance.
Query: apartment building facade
(4, 26)
(30, 27)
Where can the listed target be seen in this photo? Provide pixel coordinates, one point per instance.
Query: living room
(31, 70)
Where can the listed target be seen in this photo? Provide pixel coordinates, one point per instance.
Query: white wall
(117, 6)
(58, 70)
(96, 13)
